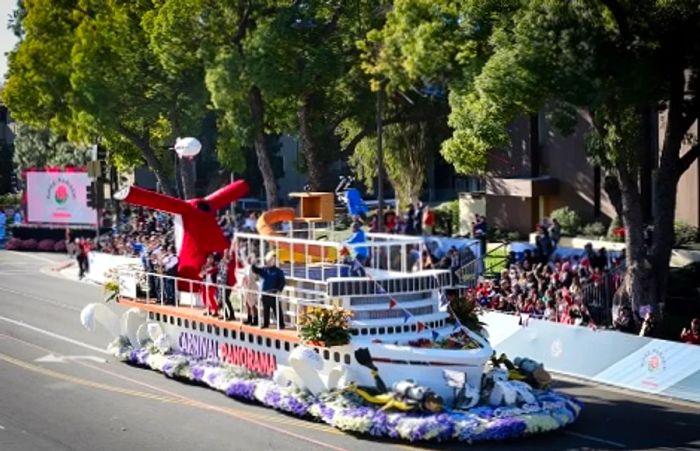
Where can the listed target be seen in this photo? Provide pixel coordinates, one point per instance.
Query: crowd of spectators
(549, 288)
(417, 219)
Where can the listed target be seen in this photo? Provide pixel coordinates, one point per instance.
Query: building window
(286, 346)
(326, 354)
(346, 359)
(336, 357)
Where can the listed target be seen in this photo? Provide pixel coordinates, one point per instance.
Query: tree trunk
(311, 152)
(257, 111)
(161, 175)
(640, 280)
(151, 160)
(187, 174)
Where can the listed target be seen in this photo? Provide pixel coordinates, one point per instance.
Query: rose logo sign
(61, 194)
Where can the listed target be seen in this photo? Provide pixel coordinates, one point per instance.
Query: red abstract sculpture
(197, 234)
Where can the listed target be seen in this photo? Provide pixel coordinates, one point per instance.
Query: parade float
(370, 347)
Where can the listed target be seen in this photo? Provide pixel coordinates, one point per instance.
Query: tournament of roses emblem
(61, 194)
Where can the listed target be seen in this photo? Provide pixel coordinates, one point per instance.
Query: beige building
(543, 170)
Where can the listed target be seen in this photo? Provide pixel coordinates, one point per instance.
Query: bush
(616, 232)
(684, 234)
(29, 245)
(594, 230)
(13, 244)
(446, 218)
(46, 245)
(568, 219)
(60, 246)
(10, 200)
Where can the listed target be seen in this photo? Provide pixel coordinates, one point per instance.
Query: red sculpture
(197, 234)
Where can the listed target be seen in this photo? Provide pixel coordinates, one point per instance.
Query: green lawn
(495, 260)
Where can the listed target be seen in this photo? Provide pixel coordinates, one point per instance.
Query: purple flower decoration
(348, 412)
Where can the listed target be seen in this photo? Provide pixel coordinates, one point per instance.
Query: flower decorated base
(345, 411)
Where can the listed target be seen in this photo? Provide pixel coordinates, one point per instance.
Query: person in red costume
(197, 233)
(208, 290)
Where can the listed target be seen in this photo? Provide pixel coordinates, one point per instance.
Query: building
(542, 170)
(7, 176)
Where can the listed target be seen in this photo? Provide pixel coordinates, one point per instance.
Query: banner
(637, 363)
(58, 198)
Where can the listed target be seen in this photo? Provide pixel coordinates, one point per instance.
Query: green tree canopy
(41, 148)
(603, 62)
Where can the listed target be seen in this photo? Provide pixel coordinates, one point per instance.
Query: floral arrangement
(466, 311)
(325, 326)
(111, 285)
(456, 340)
(345, 411)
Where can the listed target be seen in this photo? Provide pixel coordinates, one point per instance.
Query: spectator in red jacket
(692, 335)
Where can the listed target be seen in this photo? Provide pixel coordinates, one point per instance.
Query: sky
(7, 39)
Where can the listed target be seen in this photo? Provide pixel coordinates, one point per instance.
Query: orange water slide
(287, 252)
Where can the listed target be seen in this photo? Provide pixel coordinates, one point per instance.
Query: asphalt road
(60, 391)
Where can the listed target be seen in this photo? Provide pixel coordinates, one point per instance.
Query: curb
(64, 265)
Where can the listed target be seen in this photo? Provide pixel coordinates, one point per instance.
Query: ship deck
(196, 314)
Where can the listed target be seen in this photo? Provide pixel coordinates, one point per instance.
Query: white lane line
(35, 257)
(53, 335)
(41, 299)
(2, 428)
(595, 439)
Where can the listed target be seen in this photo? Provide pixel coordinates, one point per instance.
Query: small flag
(420, 326)
(458, 327)
(435, 334)
(443, 299)
(406, 316)
(392, 303)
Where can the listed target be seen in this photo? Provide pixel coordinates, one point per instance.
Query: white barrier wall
(637, 363)
(101, 264)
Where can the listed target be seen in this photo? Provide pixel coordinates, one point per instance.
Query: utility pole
(380, 160)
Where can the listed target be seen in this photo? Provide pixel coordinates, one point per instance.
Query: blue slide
(356, 206)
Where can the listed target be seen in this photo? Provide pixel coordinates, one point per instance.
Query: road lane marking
(185, 400)
(35, 257)
(58, 358)
(241, 415)
(595, 439)
(42, 299)
(53, 335)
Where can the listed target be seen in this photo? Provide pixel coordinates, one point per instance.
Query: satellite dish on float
(187, 147)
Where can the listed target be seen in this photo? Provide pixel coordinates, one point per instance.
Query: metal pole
(380, 161)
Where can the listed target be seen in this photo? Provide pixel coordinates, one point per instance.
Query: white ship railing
(133, 282)
(395, 253)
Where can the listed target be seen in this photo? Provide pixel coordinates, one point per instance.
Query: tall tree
(416, 126)
(41, 148)
(605, 62)
(307, 64)
(86, 68)
(215, 34)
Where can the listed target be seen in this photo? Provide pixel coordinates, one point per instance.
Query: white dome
(187, 147)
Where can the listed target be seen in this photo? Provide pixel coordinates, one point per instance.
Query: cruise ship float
(404, 367)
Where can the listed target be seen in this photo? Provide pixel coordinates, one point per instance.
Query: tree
(216, 33)
(606, 62)
(410, 140)
(306, 62)
(87, 69)
(41, 148)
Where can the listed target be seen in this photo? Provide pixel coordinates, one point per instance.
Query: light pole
(380, 160)
(187, 149)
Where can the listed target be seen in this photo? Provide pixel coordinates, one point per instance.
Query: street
(59, 390)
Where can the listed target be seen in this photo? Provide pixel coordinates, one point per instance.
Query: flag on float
(436, 335)
(420, 326)
(458, 326)
(443, 299)
(356, 265)
(406, 316)
(392, 303)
